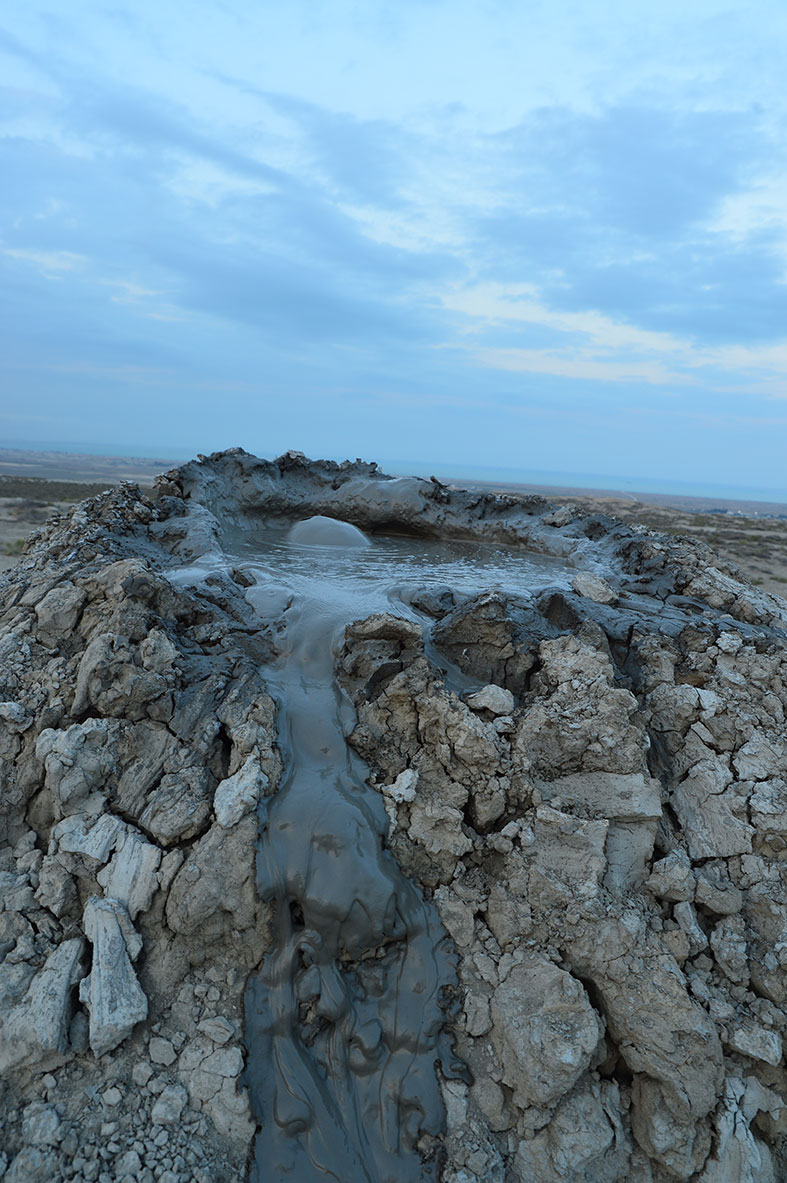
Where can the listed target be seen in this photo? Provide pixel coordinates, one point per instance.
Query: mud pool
(345, 1018)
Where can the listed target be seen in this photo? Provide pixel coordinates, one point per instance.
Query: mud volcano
(359, 828)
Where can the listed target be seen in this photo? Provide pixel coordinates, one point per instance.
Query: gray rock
(40, 1125)
(219, 1030)
(216, 883)
(170, 1104)
(56, 888)
(36, 1030)
(161, 1051)
(628, 797)
(737, 1152)
(111, 991)
(15, 717)
(711, 814)
(225, 1061)
(672, 878)
(141, 1073)
(494, 699)
(96, 840)
(77, 761)
(130, 878)
(33, 1164)
(128, 1164)
(545, 1031)
(59, 611)
(757, 1042)
(593, 587)
(728, 942)
(180, 807)
(239, 794)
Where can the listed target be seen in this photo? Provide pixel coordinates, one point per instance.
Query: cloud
(622, 212)
(51, 264)
(287, 261)
(587, 369)
(363, 159)
(134, 119)
(590, 346)
(294, 302)
(129, 291)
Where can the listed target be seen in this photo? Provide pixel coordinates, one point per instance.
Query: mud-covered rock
(115, 728)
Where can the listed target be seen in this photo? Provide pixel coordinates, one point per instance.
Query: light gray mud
(345, 1019)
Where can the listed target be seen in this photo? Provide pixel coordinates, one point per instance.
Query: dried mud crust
(603, 834)
(606, 847)
(136, 735)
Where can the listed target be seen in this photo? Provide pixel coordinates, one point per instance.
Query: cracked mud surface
(586, 782)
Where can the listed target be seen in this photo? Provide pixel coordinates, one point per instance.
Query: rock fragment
(494, 699)
(130, 877)
(545, 1031)
(111, 992)
(36, 1029)
(170, 1104)
(240, 793)
(593, 587)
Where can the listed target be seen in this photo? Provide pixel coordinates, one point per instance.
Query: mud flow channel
(345, 1018)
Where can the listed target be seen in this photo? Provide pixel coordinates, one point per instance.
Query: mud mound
(577, 787)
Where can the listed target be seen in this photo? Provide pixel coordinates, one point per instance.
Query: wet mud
(346, 1017)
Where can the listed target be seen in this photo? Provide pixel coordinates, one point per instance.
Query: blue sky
(535, 236)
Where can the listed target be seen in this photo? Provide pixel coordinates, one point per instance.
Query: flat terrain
(750, 534)
(27, 502)
(68, 466)
(755, 544)
(34, 485)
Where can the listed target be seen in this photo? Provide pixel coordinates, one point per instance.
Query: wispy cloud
(596, 348)
(51, 264)
(129, 291)
(585, 368)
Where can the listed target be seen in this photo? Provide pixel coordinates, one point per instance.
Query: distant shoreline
(84, 468)
(691, 504)
(81, 468)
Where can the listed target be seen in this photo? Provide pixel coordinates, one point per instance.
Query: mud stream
(345, 1018)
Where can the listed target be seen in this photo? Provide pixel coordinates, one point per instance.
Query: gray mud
(345, 1019)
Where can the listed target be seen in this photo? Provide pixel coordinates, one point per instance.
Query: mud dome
(558, 796)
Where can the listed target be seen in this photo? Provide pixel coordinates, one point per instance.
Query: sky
(459, 233)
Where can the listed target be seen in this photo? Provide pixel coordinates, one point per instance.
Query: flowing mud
(345, 1018)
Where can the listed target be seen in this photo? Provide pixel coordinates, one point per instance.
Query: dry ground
(27, 502)
(755, 544)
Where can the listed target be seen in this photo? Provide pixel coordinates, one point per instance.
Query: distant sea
(569, 482)
(558, 482)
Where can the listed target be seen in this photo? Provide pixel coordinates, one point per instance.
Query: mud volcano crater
(361, 828)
